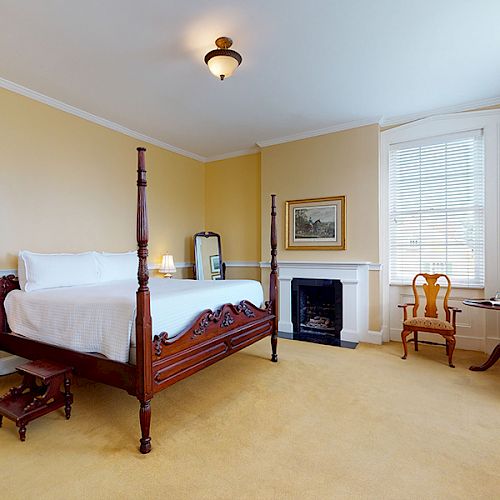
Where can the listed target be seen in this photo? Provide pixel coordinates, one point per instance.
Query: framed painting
(316, 224)
(215, 263)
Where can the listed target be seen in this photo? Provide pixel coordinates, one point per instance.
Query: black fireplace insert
(317, 311)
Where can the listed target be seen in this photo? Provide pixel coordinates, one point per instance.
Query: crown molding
(315, 133)
(468, 106)
(67, 108)
(383, 122)
(460, 115)
(232, 154)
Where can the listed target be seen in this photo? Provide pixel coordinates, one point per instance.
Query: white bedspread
(101, 318)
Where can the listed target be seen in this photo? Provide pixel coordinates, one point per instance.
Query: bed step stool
(39, 394)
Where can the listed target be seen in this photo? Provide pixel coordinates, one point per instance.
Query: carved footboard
(213, 336)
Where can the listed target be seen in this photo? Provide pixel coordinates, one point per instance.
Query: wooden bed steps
(39, 393)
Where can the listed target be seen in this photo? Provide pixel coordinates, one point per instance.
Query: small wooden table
(495, 355)
(39, 394)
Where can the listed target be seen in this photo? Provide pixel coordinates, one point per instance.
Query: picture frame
(215, 264)
(316, 223)
(216, 277)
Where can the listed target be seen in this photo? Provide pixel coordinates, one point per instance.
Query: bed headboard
(7, 284)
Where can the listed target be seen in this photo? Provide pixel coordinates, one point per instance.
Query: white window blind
(436, 208)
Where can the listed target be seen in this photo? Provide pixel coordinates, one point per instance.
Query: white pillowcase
(37, 271)
(117, 266)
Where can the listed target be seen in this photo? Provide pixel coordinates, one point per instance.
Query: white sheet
(101, 318)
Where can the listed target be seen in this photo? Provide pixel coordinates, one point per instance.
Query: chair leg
(405, 334)
(451, 347)
(415, 340)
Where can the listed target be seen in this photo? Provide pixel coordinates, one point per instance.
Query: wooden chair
(429, 322)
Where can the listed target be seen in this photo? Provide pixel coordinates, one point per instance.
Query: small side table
(39, 393)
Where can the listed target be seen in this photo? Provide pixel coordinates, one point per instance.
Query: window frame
(489, 122)
(478, 278)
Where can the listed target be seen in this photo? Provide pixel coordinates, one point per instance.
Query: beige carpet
(325, 422)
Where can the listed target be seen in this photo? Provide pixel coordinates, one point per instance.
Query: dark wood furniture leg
(145, 419)
(494, 357)
(22, 432)
(143, 322)
(68, 397)
(273, 289)
(415, 339)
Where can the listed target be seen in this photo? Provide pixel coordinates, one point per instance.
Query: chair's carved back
(431, 290)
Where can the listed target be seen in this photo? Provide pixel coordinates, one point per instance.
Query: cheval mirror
(208, 257)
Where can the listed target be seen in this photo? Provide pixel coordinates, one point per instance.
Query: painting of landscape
(315, 223)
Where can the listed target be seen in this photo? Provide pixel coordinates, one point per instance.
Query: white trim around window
(488, 122)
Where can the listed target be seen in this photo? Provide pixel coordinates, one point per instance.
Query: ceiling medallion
(222, 62)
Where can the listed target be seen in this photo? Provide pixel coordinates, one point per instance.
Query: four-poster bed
(160, 361)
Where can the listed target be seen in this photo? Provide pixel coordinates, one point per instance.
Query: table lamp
(167, 266)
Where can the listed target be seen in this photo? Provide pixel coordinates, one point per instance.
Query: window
(436, 208)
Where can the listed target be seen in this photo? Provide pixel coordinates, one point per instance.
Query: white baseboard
(491, 343)
(373, 337)
(386, 334)
(349, 335)
(285, 326)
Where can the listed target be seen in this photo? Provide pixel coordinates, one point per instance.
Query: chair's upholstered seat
(424, 322)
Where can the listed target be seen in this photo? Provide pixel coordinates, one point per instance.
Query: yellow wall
(69, 185)
(341, 163)
(233, 210)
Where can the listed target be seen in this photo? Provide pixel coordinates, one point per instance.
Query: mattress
(101, 318)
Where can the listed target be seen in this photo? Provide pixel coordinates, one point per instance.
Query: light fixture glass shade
(222, 66)
(167, 265)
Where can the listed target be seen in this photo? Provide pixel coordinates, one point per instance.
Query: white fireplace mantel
(354, 279)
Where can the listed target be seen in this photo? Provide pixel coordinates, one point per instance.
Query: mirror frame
(222, 265)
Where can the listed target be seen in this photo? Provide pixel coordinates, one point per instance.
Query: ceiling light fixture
(222, 62)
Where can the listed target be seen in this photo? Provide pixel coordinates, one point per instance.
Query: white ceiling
(306, 65)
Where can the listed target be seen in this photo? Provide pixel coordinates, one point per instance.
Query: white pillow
(117, 266)
(21, 271)
(38, 270)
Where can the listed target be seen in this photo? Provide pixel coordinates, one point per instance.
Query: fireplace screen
(317, 307)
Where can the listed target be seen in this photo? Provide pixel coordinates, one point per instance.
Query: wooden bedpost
(273, 286)
(143, 328)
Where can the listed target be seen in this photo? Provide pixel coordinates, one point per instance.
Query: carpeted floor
(325, 422)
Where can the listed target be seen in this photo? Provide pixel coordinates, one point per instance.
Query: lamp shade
(222, 66)
(222, 62)
(167, 264)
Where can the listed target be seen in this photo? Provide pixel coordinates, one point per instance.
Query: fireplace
(353, 277)
(317, 310)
